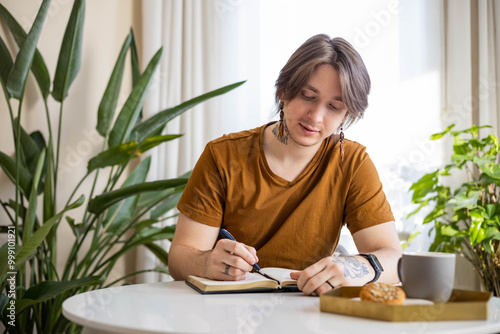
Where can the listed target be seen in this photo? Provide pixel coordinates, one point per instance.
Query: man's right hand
(195, 250)
(230, 261)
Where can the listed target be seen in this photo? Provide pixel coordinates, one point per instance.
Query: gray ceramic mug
(427, 275)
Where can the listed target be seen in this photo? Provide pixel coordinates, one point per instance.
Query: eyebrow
(336, 98)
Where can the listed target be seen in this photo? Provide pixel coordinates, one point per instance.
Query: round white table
(173, 307)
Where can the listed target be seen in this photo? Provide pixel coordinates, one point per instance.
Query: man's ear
(281, 96)
(345, 117)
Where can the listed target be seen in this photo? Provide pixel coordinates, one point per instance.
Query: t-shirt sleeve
(366, 204)
(204, 196)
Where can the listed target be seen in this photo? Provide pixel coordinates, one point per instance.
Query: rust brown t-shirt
(291, 224)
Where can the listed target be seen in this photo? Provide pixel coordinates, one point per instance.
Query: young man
(285, 189)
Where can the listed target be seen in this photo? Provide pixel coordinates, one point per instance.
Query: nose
(315, 113)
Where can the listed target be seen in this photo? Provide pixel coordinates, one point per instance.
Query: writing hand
(236, 257)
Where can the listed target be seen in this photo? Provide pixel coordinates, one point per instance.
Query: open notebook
(253, 283)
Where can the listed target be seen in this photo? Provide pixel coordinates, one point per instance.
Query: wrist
(206, 271)
(375, 265)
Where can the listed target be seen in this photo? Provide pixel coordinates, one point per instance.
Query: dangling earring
(280, 125)
(342, 143)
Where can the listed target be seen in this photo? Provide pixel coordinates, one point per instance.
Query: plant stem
(136, 242)
(7, 212)
(58, 148)
(74, 190)
(474, 259)
(20, 279)
(73, 254)
(96, 177)
(87, 260)
(49, 126)
(77, 244)
(52, 236)
(110, 245)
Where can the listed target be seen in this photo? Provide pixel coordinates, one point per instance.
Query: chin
(307, 141)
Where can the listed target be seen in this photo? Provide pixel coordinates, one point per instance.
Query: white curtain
(472, 62)
(471, 79)
(203, 43)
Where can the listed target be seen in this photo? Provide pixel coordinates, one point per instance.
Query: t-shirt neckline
(278, 179)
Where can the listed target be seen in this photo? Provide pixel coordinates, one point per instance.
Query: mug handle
(399, 270)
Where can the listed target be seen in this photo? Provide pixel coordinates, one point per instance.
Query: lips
(308, 130)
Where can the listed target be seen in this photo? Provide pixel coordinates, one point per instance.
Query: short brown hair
(319, 50)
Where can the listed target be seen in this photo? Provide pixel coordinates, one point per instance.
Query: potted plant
(116, 219)
(466, 219)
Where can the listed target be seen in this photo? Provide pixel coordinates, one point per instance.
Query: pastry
(382, 293)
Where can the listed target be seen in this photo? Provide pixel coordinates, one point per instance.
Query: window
(400, 42)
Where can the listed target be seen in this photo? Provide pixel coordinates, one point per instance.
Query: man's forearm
(388, 257)
(359, 271)
(184, 261)
(382, 241)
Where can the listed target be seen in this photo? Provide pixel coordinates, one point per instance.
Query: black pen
(226, 235)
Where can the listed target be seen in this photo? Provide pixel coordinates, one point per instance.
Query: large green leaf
(160, 253)
(433, 215)
(168, 204)
(29, 221)
(464, 199)
(5, 266)
(151, 198)
(492, 170)
(130, 111)
(473, 130)
(9, 167)
(113, 156)
(481, 161)
(109, 100)
(19, 73)
(495, 145)
(4, 300)
(100, 203)
(29, 148)
(439, 135)
(460, 147)
(157, 122)
(487, 243)
(70, 54)
(492, 233)
(154, 141)
(134, 59)
(477, 230)
(38, 139)
(122, 211)
(38, 67)
(6, 62)
(48, 187)
(121, 154)
(145, 224)
(46, 290)
(491, 209)
(29, 248)
(424, 186)
(154, 233)
(134, 62)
